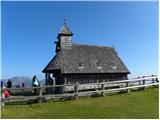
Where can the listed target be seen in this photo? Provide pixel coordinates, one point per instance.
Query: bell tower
(64, 38)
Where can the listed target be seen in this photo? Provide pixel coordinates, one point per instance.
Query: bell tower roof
(64, 38)
(65, 30)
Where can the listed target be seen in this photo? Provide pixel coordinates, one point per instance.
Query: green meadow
(137, 104)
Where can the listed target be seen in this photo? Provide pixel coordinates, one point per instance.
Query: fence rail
(101, 89)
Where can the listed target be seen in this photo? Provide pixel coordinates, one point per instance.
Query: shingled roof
(65, 30)
(87, 59)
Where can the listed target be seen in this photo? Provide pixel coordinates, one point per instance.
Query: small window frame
(98, 65)
(80, 65)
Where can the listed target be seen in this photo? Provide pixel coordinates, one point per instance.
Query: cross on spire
(64, 20)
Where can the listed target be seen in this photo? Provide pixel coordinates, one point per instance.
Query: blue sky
(29, 30)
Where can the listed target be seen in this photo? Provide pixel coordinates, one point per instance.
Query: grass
(138, 104)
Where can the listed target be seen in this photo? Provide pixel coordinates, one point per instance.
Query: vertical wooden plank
(102, 88)
(139, 81)
(144, 82)
(65, 80)
(76, 90)
(65, 84)
(157, 82)
(40, 93)
(46, 82)
(152, 79)
(127, 84)
(3, 98)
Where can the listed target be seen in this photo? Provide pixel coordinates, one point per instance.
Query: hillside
(139, 104)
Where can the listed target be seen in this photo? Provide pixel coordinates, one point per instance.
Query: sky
(29, 29)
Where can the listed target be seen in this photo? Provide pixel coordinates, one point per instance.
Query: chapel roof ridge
(91, 45)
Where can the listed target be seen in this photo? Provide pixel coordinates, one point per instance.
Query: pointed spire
(65, 30)
(64, 38)
(64, 20)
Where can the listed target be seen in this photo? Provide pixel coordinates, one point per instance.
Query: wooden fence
(99, 89)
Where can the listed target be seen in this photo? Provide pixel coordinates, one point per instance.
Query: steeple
(65, 30)
(64, 38)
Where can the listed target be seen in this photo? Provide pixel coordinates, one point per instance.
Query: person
(2, 83)
(17, 86)
(9, 85)
(5, 92)
(35, 83)
(22, 86)
(49, 82)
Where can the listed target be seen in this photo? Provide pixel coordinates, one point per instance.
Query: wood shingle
(68, 60)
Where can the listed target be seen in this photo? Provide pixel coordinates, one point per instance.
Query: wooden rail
(102, 89)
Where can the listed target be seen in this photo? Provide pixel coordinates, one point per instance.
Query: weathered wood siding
(91, 78)
(65, 42)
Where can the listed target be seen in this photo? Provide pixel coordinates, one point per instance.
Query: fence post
(144, 82)
(102, 88)
(157, 79)
(157, 82)
(3, 98)
(65, 84)
(127, 85)
(152, 79)
(139, 81)
(76, 90)
(40, 93)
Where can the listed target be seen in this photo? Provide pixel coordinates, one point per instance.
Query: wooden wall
(91, 78)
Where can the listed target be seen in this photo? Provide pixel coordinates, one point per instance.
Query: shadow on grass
(22, 102)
